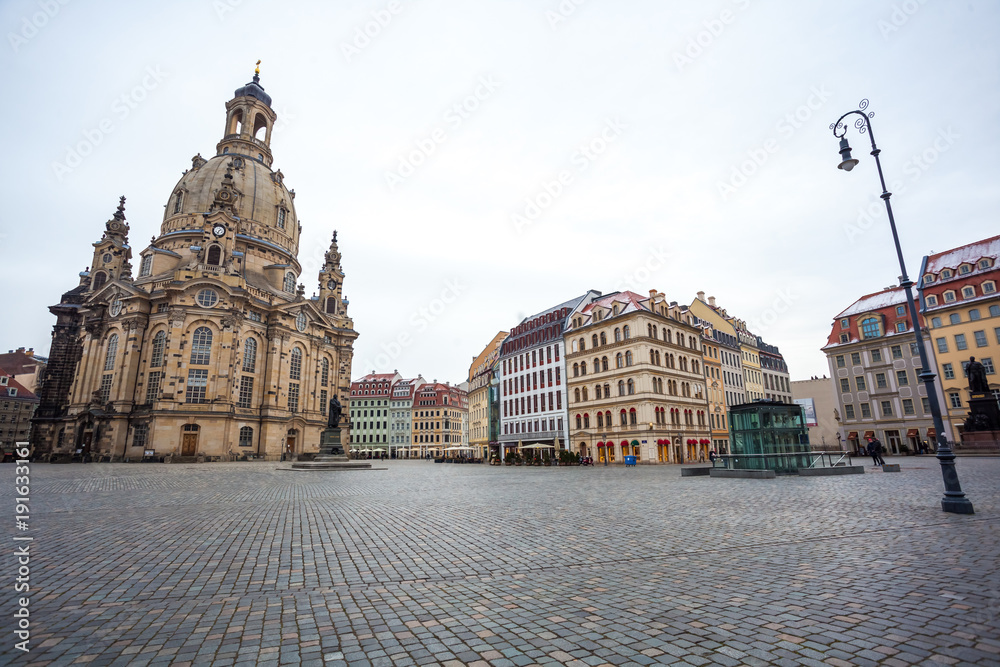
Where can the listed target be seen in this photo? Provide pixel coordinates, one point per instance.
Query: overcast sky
(484, 161)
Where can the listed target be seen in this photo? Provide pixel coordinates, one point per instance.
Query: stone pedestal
(331, 455)
(982, 428)
(330, 447)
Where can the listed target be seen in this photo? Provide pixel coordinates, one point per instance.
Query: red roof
(21, 392)
(882, 306)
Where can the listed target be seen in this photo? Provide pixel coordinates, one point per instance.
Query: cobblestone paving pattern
(250, 564)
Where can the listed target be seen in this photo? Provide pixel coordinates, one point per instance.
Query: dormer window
(946, 274)
(3, 381)
(989, 287)
(928, 278)
(281, 217)
(845, 323)
(949, 296)
(985, 263)
(870, 328)
(931, 300)
(146, 266)
(968, 292)
(965, 268)
(178, 200)
(289, 285)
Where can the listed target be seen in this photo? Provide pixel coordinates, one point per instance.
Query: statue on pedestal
(978, 384)
(333, 421)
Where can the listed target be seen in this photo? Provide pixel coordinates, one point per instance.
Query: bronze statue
(333, 421)
(977, 377)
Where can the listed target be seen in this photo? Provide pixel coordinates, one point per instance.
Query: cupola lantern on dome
(249, 121)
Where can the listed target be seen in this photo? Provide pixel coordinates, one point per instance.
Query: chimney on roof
(21, 350)
(711, 301)
(673, 303)
(701, 296)
(31, 352)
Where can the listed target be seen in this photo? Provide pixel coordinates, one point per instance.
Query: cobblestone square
(435, 564)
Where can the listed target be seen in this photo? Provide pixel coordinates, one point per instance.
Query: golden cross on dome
(257, 71)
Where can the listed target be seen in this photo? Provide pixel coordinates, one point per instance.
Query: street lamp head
(847, 162)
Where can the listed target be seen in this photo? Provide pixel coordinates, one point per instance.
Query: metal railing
(783, 460)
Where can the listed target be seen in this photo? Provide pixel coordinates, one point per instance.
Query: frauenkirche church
(212, 350)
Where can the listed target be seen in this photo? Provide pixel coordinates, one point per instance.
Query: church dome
(260, 199)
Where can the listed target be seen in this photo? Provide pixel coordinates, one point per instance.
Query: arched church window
(246, 436)
(146, 266)
(250, 355)
(295, 365)
(214, 256)
(281, 217)
(201, 346)
(109, 358)
(178, 200)
(324, 372)
(99, 279)
(289, 285)
(331, 305)
(159, 344)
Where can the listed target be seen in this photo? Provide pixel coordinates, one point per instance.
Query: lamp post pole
(954, 499)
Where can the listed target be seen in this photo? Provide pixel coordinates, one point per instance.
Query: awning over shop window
(913, 433)
(931, 432)
(869, 434)
(853, 435)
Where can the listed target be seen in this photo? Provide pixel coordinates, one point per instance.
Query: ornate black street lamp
(954, 499)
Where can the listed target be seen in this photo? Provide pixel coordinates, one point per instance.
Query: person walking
(878, 451)
(870, 450)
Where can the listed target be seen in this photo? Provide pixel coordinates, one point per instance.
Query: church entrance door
(189, 440)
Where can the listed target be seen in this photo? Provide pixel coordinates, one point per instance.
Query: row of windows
(886, 407)
(527, 360)
(956, 318)
(949, 370)
(876, 355)
(538, 426)
(962, 344)
(513, 407)
(528, 382)
(963, 269)
(968, 292)
(627, 388)
(902, 380)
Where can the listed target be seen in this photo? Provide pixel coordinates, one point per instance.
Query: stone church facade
(211, 350)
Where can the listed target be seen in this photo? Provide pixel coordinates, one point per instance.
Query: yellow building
(635, 380)
(715, 389)
(481, 376)
(962, 309)
(439, 411)
(212, 351)
(753, 378)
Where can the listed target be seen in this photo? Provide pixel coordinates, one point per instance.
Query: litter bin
(630, 460)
